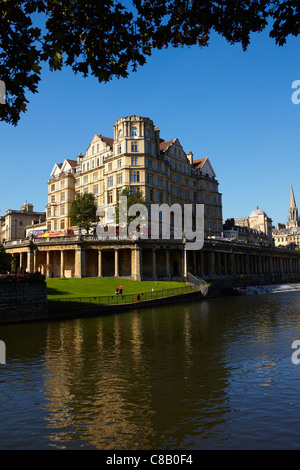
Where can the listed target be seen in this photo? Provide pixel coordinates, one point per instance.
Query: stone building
(61, 192)
(289, 235)
(138, 158)
(14, 222)
(257, 228)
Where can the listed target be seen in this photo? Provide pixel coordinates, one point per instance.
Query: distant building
(293, 220)
(35, 229)
(257, 228)
(289, 235)
(14, 222)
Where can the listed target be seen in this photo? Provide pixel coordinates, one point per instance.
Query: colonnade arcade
(147, 260)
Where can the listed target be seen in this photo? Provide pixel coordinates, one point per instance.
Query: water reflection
(142, 380)
(215, 374)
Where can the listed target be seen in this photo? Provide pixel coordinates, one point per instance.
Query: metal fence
(116, 299)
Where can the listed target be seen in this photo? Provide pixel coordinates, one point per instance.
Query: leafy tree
(133, 197)
(83, 211)
(106, 39)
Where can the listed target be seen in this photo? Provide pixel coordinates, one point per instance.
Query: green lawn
(94, 287)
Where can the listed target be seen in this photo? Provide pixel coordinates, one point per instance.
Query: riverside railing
(117, 299)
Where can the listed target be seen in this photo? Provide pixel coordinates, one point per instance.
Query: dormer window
(133, 132)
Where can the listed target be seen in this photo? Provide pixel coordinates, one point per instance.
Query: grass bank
(59, 288)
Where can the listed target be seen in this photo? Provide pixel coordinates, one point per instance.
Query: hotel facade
(136, 158)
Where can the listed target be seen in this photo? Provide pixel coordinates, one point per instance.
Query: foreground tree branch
(108, 39)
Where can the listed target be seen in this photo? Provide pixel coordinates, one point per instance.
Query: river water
(216, 374)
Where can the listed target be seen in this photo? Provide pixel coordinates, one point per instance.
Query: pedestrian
(117, 291)
(121, 288)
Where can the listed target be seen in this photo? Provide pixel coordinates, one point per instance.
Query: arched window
(133, 132)
(120, 134)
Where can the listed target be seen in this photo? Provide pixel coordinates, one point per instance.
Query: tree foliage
(83, 211)
(133, 197)
(5, 260)
(107, 39)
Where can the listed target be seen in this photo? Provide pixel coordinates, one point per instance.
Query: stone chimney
(157, 139)
(190, 157)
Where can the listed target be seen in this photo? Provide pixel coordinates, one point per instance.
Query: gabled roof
(56, 169)
(164, 145)
(199, 163)
(72, 163)
(108, 140)
(204, 165)
(68, 164)
(65, 166)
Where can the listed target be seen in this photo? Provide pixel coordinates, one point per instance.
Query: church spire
(292, 199)
(293, 212)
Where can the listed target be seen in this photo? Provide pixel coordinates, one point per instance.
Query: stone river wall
(22, 300)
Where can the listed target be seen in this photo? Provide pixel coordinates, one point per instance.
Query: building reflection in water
(141, 380)
(202, 375)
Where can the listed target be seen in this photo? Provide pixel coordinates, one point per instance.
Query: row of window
(134, 133)
(59, 185)
(62, 198)
(208, 186)
(134, 162)
(60, 225)
(86, 166)
(212, 225)
(56, 211)
(56, 225)
(215, 211)
(135, 178)
(288, 239)
(180, 193)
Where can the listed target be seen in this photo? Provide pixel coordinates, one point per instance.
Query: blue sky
(231, 106)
